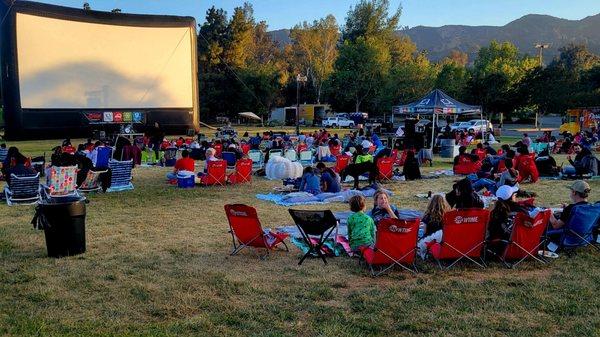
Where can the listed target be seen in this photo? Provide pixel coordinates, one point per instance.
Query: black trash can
(63, 222)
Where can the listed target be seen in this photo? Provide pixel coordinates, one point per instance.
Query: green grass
(158, 264)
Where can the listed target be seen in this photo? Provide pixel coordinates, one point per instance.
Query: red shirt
(185, 164)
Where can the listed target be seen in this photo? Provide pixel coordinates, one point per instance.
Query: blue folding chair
(580, 229)
(230, 158)
(257, 159)
(103, 157)
(120, 175)
(23, 190)
(3, 154)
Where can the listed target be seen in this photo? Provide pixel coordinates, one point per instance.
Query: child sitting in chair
(361, 227)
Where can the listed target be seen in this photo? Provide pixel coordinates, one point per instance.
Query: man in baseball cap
(580, 191)
(507, 192)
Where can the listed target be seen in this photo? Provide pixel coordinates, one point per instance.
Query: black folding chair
(317, 224)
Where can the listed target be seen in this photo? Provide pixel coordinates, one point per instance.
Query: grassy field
(158, 264)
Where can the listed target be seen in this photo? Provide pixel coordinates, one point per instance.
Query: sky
(281, 14)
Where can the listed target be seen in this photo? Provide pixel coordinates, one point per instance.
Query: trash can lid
(62, 200)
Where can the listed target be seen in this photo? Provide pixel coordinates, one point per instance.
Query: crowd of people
(499, 172)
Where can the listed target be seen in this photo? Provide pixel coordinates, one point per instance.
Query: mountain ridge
(524, 32)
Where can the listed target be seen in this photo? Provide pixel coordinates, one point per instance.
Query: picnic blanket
(304, 198)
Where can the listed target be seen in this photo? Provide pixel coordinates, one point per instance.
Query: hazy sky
(285, 13)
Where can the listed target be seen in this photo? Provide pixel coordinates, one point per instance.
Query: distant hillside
(524, 33)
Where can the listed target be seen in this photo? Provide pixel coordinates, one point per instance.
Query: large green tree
(314, 50)
(497, 71)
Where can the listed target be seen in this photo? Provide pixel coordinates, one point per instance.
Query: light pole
(541, 47)
(299, 79)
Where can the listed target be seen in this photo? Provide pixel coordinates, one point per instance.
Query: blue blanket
(300, 198)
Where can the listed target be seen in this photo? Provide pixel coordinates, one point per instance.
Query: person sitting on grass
(310, 182)
(362, 156)
(184, 165)
(462, 153)
(329, 180)
(361, 228)
(382, 209)
(463, 195)
(433, 219)
(580, 191)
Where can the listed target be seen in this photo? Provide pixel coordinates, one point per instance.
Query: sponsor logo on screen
(108, 116)
(94, 116)
(118, 117)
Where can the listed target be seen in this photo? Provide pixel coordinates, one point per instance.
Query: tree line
(365, 65)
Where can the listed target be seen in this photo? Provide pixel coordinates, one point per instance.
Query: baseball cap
(580, 186)
(505, 192)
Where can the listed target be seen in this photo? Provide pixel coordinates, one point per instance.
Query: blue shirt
(333, 186)
(310, 183)
(376, 141)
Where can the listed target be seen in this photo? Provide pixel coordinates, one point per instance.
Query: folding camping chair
(291, 155)
(463, 237)
(243, 172)
(120, 179)
(579, 231)
(103, 156)
(319, 224)
(525, 239)
(275, 153)
(215, 173)
(218, 149)
(385, 167)
(230, 158)
(335, 150)
(91, 184)
(170, 156)
(245, 228)
(3, 154)
(306, 158)
(395, 244)
(61, 182)
(341, 162)
(257, 159)
(245, 148)
(23, 190)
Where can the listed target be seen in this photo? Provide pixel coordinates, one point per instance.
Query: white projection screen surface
(66, 64)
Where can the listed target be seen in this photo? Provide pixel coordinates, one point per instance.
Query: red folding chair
(463, 237)
(335, 150)
(395, 244)
(246, 230)
(246, 148)
(525, 164)
(466, 166)
(481, 153)
(341, 161)
(385, 166)
(525, 239)
(218, 149)
(215, 173)
(243, 172)
(402, 159)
